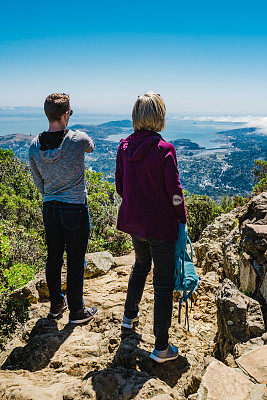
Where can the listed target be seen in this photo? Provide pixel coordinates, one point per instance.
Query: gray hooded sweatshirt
(59, 173)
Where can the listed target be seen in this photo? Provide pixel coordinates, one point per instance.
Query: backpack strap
(185, 299)
(186, 314)
(189, 241)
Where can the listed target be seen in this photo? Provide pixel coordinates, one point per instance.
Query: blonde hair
(149, 112)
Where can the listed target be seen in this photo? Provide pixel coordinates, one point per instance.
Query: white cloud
(249, 121)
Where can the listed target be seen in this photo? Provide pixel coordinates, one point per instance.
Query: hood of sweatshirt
(137, 144)
(53, 155)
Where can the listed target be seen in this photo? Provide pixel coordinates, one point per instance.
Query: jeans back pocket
(71, 219)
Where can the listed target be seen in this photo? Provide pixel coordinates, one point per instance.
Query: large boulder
(256, 210)
(208, 249)
(239, 318)
(231, 256)
(98, 263)
(223, 383)
(253, 265)
(254, 363)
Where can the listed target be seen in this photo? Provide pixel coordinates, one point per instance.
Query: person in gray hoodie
(56, 161)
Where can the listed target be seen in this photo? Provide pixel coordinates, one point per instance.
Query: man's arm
(173, 185)
(38, 180)
(89, 144)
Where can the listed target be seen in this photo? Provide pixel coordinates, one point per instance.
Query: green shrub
(260, 176)
(228, 203)
(15, 311)
(202, 210)
(18, 275)
(103, 203)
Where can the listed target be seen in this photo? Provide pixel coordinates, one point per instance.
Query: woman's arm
(173, 184)
(118, 175)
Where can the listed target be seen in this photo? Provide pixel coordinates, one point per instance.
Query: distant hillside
(126, 123)
(186, 143)
(19, 143)
(215, 172)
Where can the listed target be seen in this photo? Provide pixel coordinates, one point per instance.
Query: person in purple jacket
(152, 206)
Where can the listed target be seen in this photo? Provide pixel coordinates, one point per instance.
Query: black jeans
(67, 226)
(163, 255)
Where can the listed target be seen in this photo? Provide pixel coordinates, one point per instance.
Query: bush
(14, 312)
(103, 203)
(228, 203)
(260, 176)
(202, 210)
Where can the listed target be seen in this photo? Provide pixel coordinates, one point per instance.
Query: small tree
(260, 176)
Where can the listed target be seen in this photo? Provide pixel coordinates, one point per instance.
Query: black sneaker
(85, 314)
(58, 309)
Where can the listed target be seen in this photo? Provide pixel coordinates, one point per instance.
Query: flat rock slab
(223, 383)
(259, 229)
(255, 363)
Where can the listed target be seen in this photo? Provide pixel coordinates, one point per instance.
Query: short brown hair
(149, 112)
(55, 105)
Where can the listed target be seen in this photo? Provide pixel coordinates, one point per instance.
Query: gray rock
(231, 262)
(239, 318)
(256, 210)
(247, 274)
(98, 263)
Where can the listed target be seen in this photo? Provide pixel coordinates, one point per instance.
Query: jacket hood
(55, 154)
(137, 145)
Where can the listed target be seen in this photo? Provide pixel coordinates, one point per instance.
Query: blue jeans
(163, 255)
(67, 226)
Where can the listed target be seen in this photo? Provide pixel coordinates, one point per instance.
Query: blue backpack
(186, 279)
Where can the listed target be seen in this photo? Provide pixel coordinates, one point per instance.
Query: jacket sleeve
(118, 174)
(173, 184)
(38, 180)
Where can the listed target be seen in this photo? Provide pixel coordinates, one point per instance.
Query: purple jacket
(147, 180)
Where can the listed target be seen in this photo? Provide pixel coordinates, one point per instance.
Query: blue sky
(204, 57)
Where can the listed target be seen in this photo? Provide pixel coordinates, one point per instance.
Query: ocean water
(201, 132)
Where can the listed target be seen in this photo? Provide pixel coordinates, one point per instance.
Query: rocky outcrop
(208, 249)
(253, 229)
(239, 318)
(235, 246)
(49, 359)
